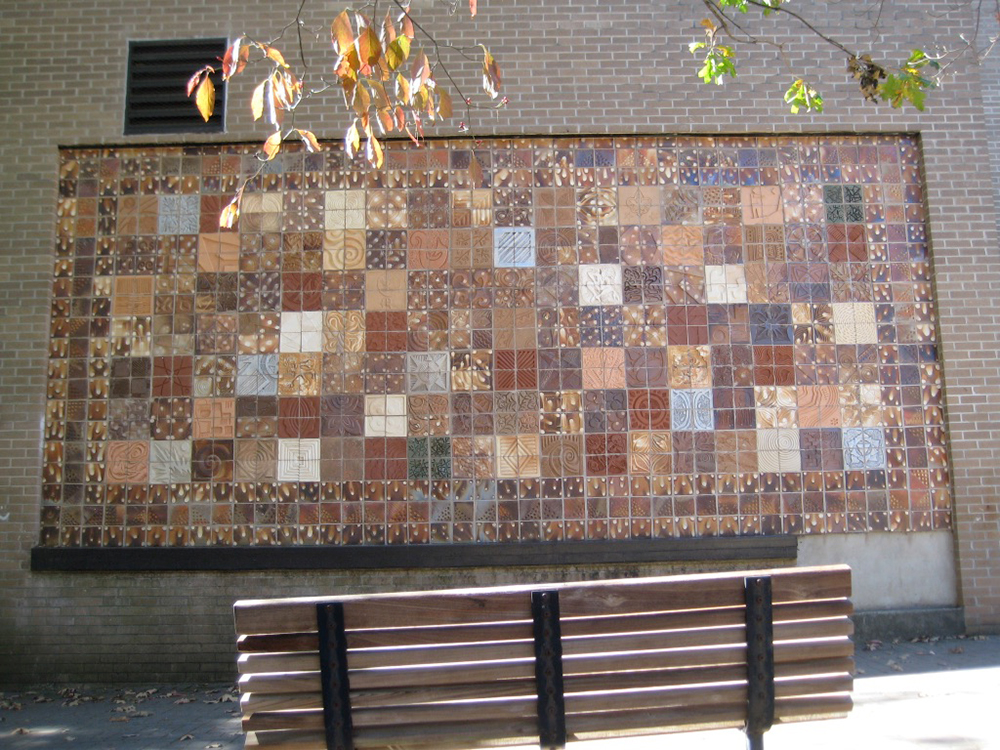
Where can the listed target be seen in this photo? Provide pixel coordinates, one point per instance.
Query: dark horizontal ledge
(360, 557)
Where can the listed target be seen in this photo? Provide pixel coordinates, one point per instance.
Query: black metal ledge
(145, 559)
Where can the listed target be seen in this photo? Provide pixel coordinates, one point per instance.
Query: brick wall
(66, 61)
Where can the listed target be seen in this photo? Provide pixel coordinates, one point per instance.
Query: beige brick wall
(631, 73)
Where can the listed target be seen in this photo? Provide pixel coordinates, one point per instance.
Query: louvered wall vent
(156, 98)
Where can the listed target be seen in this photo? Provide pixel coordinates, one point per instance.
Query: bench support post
(333, 670)
(549, 669)
(760, 660)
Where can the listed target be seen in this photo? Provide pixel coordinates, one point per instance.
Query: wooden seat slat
(612, 698)
(266, 702)
(586, 726)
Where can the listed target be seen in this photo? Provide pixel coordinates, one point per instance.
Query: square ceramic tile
(761, 205)
(864, 448)
(301, 332)
(257, 375)
(691, 410)
(179, 214)
(854, 323)
(219, 252)
(127, 462)
(169, 461)
(428, 372)
(518, 456)
(385, 416)
(514, 247)
(256, 461)
(778, 450)
(385, 290)
(600, 284)
(344, 209)
(299, 460)
(344, 250)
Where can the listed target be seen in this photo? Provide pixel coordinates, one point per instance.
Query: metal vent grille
(156, 99)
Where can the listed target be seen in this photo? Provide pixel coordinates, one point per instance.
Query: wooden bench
(547, 664)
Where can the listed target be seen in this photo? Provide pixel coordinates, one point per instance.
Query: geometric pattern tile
(628, 337)
(514, 247)
(298, 460)
(864, 448)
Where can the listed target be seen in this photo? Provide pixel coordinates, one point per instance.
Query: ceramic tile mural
(604, 339)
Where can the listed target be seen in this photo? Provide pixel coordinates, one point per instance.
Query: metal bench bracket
(333, 668)
(548, 669)
(760, 660)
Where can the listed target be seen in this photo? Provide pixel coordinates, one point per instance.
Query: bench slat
(252, 644)
(618, 640)
(267, 702)
(262, 617)
(790, 651)
(610, 699)
(584, 726)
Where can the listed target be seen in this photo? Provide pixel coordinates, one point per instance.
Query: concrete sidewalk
(934, 693)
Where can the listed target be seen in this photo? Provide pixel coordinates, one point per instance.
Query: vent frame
(161, 111)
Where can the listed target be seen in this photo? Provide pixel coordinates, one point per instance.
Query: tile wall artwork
(603, 339)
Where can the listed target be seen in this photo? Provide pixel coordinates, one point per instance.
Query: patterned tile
(864, 448)
(428, 372)
(691, 410)
(600, 284)
(219, 252)
(301, 332)
(385, 290)
(518, 456)
(169, 461)
(778, 450)
(214, 418)
(257, 375)
(299, 460)
(344, 209)
(256, 461)
(344, 250)
(127, 462)
(385, 416)
(514, 247)
(761, 205)
(854, 323)
(179, 214)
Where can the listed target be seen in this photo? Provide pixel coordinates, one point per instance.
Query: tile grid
(608, 338)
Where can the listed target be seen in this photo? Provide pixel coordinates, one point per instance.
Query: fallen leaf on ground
(186, 737)
(213, 745)
(956, 650)
(119, 718)
(873, 645)
(894, 666)
(182, 701)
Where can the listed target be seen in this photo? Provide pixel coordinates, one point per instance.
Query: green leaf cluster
(719, 61)
(801, 95)
(910, 84)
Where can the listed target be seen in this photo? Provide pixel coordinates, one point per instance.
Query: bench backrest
(546, 663)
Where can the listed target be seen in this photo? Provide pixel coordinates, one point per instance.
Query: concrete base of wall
(886, 625)
(890, 571)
